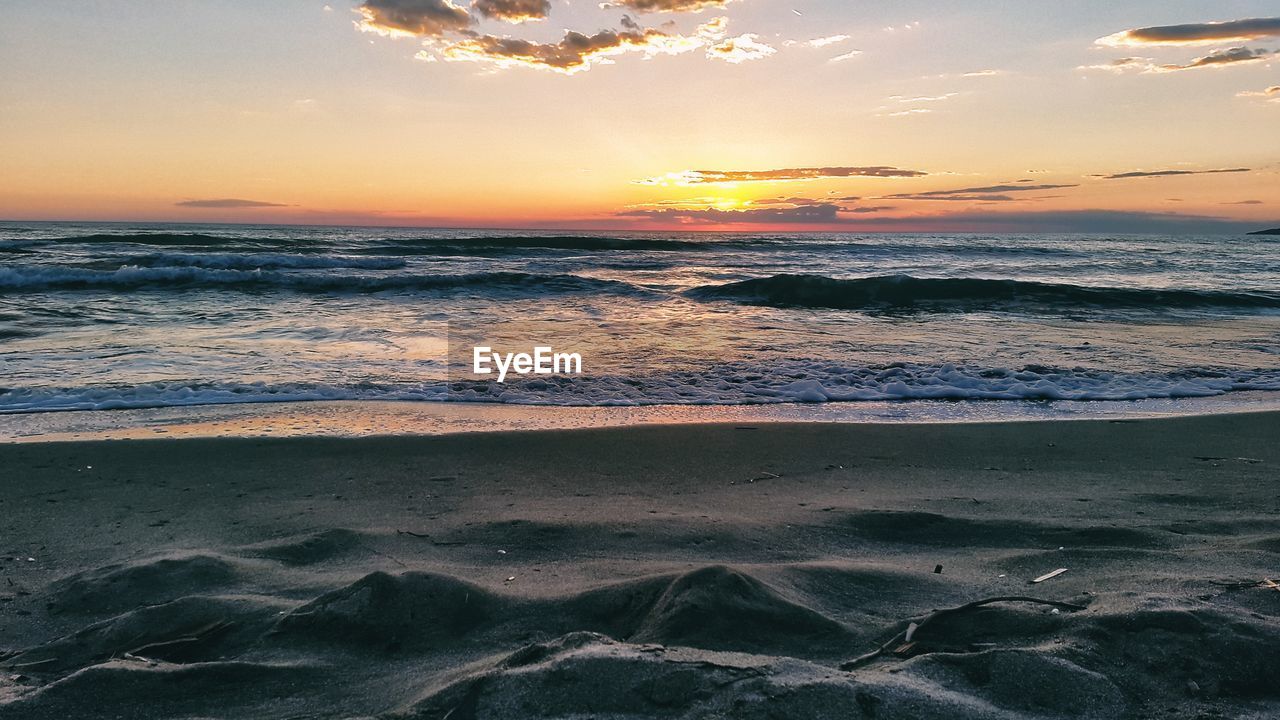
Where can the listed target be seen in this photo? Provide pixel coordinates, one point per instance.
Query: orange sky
(705, 114)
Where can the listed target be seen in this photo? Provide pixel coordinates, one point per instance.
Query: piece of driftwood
(913, 628)
(1049, 576)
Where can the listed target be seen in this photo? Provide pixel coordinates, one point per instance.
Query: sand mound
(649, 582)
(115, 588)
(862, 595)
(192, 629)
(542, 539)
(590, 675)
(1024, 681)
(141, 690)
(308, 550)
(385, 612)
(720, 608)
(1207, 649)
(716, 641)
(714, 607)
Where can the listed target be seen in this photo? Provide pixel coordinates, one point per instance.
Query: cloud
(1197, 33)
(1220, 58)
(1167, 173)
(1244, 202)
(573, 53)
(427, 18)
(655, 6)
(1272, 92)
(823, 214)
(1215, 59)
(1124, 64)
(792, 201)
(819, 42)
(867, 219)
(576, 51)
(957, 198)
(922, 98)
(224, 203)
(513, 11)
(705, 177)
(847, 56)
(740, 49)
(1068, 221)
(989, 193)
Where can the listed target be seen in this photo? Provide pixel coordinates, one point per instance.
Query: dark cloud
(1070, 221)
(1197, 33)
(228, 203)
(703, 177)
(1215, 59)
(954, 198)
(791, 201)
(428, 18)
(513, 10)
(823, 214)
(988, 193)
(1244, 202)
(434, 20)
(651, 6)
(1167, 173)
(574, 52)
(810, 202)
(1219, 58)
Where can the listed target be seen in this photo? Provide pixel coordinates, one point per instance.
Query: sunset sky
(645, 114)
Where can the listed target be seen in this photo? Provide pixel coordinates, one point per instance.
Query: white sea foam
(725, 385)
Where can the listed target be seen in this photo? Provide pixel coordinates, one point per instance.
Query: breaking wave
(796, 382)
(36, 278)
(908, 292)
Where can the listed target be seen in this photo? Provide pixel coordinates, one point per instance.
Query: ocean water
(107, 316)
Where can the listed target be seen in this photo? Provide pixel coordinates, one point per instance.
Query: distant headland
(1272, 231)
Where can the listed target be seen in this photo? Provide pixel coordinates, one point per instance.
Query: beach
(692, 571)
(639, 360)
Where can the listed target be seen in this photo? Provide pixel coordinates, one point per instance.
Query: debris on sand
(1049, 575)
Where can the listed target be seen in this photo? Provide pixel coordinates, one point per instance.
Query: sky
(749, 115)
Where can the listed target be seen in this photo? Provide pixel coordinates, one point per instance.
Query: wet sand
(658, 571)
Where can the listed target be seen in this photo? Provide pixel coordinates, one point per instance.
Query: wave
(905, 292)
(501, 245)
(263, 261)
(44, 278)
(731, 384)
(160, 238)
(482, 246)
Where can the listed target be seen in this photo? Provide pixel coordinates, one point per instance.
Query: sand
(694, 571)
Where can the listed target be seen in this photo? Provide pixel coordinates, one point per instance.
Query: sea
(110, 316)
